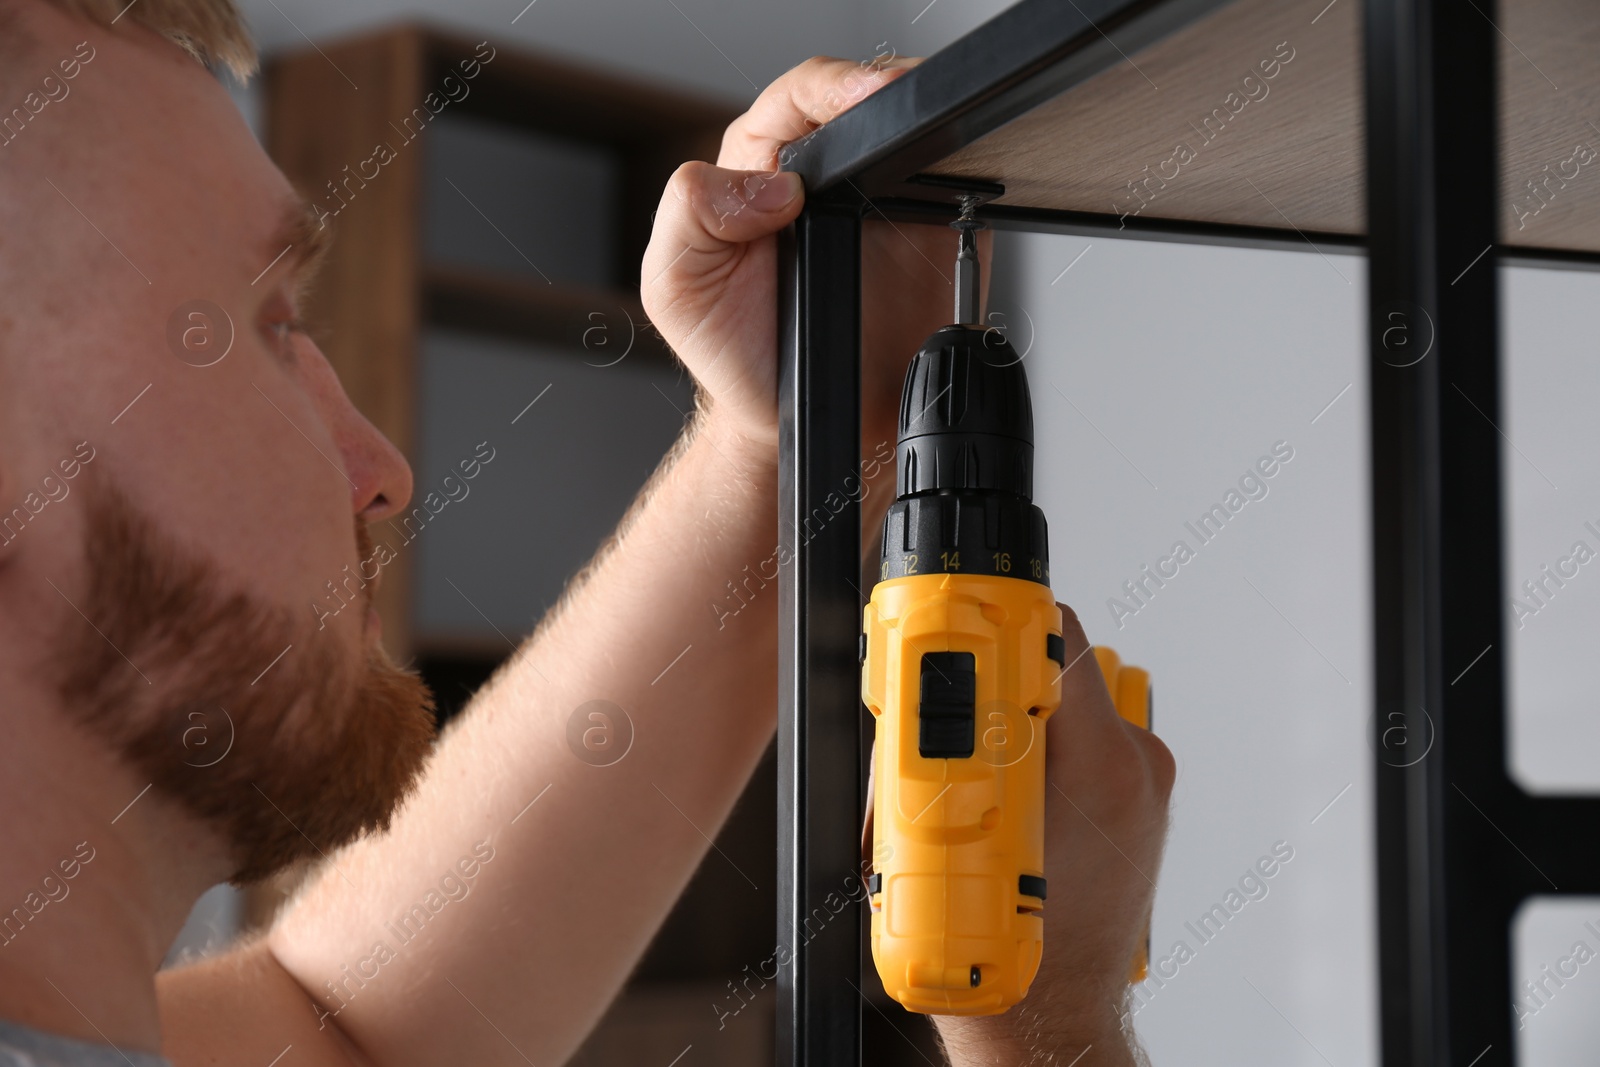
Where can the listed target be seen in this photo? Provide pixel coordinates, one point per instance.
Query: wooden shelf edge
(605, 327)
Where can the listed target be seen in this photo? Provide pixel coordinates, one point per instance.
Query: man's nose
(380, 476)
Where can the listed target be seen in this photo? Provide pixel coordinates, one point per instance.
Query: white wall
(1552, 502)
(1161, 374)
(1184, 365)
(1552, 498)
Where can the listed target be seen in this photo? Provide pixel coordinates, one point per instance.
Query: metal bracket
(955, 190)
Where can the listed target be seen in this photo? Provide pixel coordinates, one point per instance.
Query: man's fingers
(1083, 687)
(1086, 699)
(798, 102)
(705, 213)
(1158, 757)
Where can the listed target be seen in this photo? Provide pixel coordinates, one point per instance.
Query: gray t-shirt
(23, 1046)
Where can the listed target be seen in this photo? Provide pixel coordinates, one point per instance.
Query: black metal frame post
(819, 679)
(1431, 160)
(1460, 845)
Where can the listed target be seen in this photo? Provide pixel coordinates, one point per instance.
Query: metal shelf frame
(1432, 150)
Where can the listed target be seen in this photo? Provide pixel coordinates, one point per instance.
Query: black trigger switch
(947, 709)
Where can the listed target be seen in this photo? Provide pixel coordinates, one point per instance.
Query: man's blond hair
(213, 31)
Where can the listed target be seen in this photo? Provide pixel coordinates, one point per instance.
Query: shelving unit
(1437, 137)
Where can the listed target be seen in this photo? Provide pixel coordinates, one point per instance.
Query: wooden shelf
(603, 327)
(1284, 153)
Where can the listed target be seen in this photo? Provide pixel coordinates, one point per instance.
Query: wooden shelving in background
(602, 323)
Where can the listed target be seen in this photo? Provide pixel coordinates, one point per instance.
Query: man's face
(226, 490)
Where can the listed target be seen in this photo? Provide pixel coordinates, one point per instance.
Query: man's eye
(284, 330)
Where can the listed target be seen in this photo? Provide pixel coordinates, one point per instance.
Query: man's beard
(321, 746)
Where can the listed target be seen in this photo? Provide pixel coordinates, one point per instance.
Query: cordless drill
(962, 664)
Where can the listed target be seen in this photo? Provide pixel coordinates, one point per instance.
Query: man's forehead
(152, 149)
(196, 170)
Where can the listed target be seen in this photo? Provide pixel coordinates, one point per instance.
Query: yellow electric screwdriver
(961, 668)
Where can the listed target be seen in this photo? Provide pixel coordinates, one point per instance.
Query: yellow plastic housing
(955, 834)
(1130, 692)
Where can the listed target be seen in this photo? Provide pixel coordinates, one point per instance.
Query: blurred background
(484, 291)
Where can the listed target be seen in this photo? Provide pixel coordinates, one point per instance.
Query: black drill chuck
(964, 501)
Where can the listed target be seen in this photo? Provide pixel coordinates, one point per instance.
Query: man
(168, 518)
